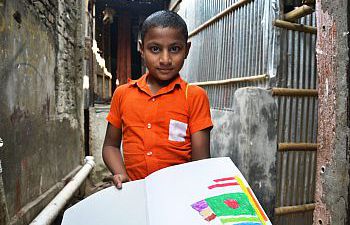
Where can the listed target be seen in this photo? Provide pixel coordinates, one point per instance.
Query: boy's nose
(165, 58)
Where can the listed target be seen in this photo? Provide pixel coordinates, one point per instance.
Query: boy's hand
(118, 179)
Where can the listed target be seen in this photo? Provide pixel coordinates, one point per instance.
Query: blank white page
(111, 207)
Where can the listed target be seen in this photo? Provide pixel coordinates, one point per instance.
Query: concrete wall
(97, 130)
(333, 68)
(248, 136)
(41, 109)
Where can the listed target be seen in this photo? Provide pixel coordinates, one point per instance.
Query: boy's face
(164, 51)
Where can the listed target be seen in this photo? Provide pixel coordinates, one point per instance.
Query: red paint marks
(231, 203)
(262, 213)
(24, 165)
(224, 179)
(223, 185)
(211, 217)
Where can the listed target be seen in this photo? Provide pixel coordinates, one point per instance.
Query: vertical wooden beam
(107, 45)
(124, 48)
(103, 85)
(94, 74)
(110, 88)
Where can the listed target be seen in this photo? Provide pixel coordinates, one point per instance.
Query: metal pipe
(50, 212)
(298, 13)
(231, 8)
(232, 80)
(295, 26)
(294, 209)
(297, 147)
(293, 92)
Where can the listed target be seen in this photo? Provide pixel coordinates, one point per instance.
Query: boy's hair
(164, 18)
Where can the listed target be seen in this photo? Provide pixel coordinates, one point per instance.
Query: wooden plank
(298, 12)
(293, 92)
(294, 209)
(175, 5)
(231, 8)
(123, 51)
(297, 147)
(295, 26)
(103, 86)
(231, 80)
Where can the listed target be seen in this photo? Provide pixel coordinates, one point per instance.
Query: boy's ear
(188, 46)
(141, 48)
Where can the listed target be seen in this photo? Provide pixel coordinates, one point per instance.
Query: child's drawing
(239, 207)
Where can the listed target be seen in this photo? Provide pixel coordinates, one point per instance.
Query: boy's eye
(155, 49)
(175, 49)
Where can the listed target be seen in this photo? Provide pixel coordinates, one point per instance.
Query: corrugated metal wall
(235, 46)
(297, 124)
(243, 44)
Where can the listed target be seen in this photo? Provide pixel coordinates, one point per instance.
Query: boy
(161, 120)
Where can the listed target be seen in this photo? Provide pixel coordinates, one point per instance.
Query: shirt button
(153, 99)
(149, 126)
(149, 153)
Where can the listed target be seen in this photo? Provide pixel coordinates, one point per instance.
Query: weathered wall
(248, 136)
(40, 100)
(332, 177)
(97, 128)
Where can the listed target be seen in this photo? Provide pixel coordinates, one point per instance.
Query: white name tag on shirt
(177, 130)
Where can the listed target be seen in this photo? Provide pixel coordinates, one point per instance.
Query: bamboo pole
(292, 92)
(232, 80)
(297, 147)
(298, 13)
(295, 26)
(175, 5)
(215, 18)
(294, 209)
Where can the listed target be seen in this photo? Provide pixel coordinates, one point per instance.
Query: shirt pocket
(177, 131)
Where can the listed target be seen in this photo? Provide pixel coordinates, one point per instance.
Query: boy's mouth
(165, 70)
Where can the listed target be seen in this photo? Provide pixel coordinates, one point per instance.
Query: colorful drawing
(205, 211)
(224, 182)
(239, 208)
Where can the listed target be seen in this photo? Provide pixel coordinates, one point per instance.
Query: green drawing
(217, 204)
(240, 219)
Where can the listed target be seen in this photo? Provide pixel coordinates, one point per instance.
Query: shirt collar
(142, 84)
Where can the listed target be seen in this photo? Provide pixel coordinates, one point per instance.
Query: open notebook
(206, 192)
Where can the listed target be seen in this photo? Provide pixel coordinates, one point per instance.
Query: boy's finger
(117, 181)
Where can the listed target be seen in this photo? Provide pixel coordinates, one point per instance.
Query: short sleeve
(114, 115)
(199, 109)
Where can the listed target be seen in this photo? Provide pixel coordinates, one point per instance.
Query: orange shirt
(157, 128)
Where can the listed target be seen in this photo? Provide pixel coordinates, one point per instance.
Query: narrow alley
(276, 73)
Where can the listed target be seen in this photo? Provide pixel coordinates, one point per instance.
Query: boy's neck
(155, 85)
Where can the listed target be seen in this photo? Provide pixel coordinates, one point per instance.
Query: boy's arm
(201, 144)
(112, 156)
